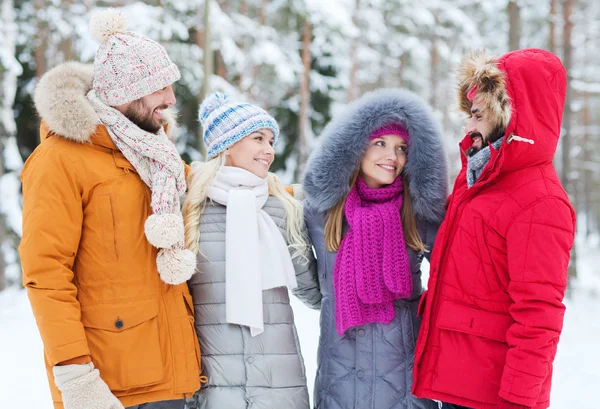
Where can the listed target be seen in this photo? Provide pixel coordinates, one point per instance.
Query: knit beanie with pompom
(127, 66)
(224, 122)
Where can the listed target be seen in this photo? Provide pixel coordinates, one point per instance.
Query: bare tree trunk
(256, 69)
(403, 65)
(553, 18)
(203, 39)
(9, 71)
(568, 114)
(352, 86)
(304, 118)
(42, 37)
(2, 262)
(435, 63)
(262, 16)
(3, 235)
(587, 160)
(514, 19)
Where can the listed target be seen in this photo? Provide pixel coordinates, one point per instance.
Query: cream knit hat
(128, 66)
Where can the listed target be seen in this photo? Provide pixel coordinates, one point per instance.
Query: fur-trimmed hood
(526, 91)
(479, 72)
(60, 99)
(345, 139)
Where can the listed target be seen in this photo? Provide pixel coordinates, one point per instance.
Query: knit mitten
(82, 387)
(504, 404)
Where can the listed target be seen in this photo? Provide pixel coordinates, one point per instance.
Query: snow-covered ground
(23, 381)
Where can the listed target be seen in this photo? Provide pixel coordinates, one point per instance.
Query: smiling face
(147, 112)
(383, 161)
(479, 128)
(254, 153)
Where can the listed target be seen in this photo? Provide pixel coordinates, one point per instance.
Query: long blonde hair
(335, 221)
(199, 180)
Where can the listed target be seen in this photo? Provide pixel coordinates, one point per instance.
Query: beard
(141, 115)
(497, 133)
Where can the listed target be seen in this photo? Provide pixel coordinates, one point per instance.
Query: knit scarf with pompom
(372, 268)
(157, 162)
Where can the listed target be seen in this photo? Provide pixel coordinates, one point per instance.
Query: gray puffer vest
(266, 371)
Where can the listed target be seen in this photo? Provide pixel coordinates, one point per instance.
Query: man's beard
(142, 116)
(497, 133)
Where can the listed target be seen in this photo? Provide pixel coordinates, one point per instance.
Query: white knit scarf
(159, 165)
(256, 254)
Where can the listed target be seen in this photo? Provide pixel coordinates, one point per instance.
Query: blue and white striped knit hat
(224, 122)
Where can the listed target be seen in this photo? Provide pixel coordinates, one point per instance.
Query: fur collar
(344, 140)
(60, 99)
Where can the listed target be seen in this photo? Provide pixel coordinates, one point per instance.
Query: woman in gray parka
(376, 191)
(251, 241)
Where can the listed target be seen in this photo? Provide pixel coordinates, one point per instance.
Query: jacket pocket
(108, 227)
(124, 343)
(472, 344)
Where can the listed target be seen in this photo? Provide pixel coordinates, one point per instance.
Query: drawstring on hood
(513, 137)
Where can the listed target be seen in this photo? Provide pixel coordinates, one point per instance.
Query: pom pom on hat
(106, 23)
(211, 103)
(127, 66)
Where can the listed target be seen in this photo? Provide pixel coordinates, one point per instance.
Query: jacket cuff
(85, 359)
(504, 404)
(67, 352)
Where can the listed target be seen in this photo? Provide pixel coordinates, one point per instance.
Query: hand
(82, 388)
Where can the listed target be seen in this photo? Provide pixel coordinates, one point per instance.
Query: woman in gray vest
(252, 245)
(376, 191)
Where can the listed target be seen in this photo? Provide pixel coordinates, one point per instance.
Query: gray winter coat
(370, 366)
(266, 371)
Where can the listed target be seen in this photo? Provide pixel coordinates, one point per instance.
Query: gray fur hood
(332, 164)
(61, 101)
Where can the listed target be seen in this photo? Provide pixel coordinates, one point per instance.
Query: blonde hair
(335, 221)
(199, 180)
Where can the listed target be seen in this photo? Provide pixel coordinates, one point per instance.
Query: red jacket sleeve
(52, 222)
(538, 246)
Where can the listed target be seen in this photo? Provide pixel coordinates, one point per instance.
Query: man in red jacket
(493, 313)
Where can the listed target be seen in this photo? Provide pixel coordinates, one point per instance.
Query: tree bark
(256, 69)
(553, 16)
(207, 63)
(304, 117)
(8, 129)
(435, 63)
(352, 86)
(42, 40)
(568, 113)
(587, 160)
(514, 19)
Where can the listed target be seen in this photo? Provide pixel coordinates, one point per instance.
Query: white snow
(23, 381)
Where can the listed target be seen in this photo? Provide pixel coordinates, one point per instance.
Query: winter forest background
(302, 60)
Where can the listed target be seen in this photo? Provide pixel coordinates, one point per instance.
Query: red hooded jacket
(493, 313)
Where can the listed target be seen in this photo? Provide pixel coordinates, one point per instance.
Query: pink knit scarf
(372, 268)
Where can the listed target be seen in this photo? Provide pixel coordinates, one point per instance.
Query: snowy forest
(301, 60)
(304, 59)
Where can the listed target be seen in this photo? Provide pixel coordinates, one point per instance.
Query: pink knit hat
(128, 66)
(391, 129)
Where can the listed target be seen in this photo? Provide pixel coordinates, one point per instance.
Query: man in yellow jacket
(102, 250)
